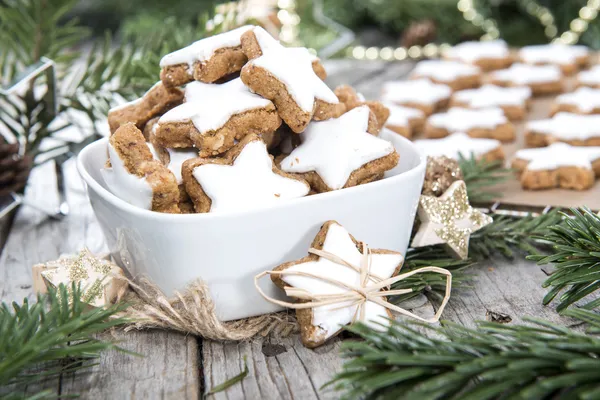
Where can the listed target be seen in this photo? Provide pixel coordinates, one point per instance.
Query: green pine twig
(56, 334)
(504, 236)
(481, 176)
(509, 234)
(430, 283)
(576, 258)
(530, 361)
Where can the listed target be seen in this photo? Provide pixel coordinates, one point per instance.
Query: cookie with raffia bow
(342, 281)
(100, 280)
(449, 219)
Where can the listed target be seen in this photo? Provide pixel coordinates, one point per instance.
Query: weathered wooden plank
(21, 252)
(511, 287)
(169, 366)
(279, 368)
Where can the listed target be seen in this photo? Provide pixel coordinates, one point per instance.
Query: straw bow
(371, 288)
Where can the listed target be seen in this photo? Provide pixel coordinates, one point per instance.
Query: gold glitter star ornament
(100, 280)
(449, 219)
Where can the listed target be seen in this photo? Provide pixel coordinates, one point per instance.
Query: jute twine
(193, 312)
(371, 288)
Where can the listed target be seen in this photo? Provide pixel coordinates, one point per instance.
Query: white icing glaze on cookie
(457, 144)
(126, 186)
(590, 77)
(568, 126)
(249, 183)
(133, 102)
(203, 49)
(473, 51)
(293, 67)
(418, 91)
(584, 98)
(459, 119)
(155, 154)
(559, 155)
(332, 317)
(443, 70)
(209, 106)
(337, 147)
(401, 116)
(176, 159)
(553, 53)
(523, 74)
(493, 96)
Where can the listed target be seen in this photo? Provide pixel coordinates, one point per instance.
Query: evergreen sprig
(576, 257)
(509, 234)
(481, 176)
(112, 70)
(430, 283)
(529, 361)
(504, 236)
(56, 334)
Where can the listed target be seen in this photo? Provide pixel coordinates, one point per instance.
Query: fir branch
(481, 176)
(508, 234)
(504, 236)
(430, 283)
(576, 258)
(414, 361)
(57, 333)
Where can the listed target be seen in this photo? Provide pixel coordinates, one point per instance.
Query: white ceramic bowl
(227, 250)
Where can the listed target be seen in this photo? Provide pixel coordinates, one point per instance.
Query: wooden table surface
(176, 366)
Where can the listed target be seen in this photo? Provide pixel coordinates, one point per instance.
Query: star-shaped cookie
(558, 165)
(449, 219)
(575, 129)
(584, 100)
(244, 179)
(461, 144)
(418, 93)
(206, 60)
(321, 323)
(135, 176)
(351, 99)
(214, 116)
(568, 57)
(286, 76)
(482, 122)
(512, 100)
(340, 152)
(590, 77)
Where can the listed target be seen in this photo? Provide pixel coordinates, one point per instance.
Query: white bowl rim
(140, 212)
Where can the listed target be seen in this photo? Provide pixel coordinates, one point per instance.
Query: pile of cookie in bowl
(533, 108)
(239, 121)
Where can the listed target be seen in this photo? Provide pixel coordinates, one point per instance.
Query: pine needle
(530, 361)
(505, 236)
(481, 176)
(52, 336)
(230, 382)
(576, 258)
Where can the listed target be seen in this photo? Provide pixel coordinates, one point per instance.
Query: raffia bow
(371, 288)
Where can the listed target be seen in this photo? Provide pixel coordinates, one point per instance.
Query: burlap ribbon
(193, 312)
(371, 288)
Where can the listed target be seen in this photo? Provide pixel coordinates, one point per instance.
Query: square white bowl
(227, 250)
